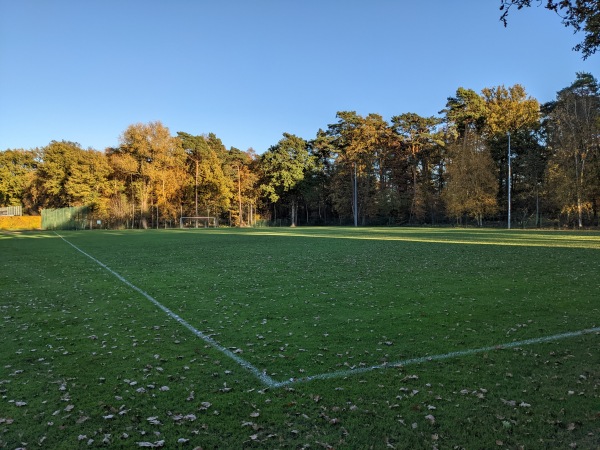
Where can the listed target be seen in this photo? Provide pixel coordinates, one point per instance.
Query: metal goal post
(195, 221)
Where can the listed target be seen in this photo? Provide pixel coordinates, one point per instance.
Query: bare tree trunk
(143, 211)
(537, 208)
(414, 199)
(293, 213)
(578, 187)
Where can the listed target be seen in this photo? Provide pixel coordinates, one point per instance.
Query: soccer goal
(197, 222)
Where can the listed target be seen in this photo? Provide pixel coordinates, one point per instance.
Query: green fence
(73, 218)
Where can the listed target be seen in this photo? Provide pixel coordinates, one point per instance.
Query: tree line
(451, 168)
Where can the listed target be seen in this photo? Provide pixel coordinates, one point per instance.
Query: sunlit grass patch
(451, 236)
(88, 361)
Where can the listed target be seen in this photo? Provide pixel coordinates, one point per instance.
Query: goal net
(197, 222)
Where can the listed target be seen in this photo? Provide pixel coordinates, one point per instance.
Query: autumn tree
(168, 175)
(470, 189)
(17, 174)
(362, 147)
(493, 115)
(573, 125)
(511, 111)
(150, 160)
(241, 168)
(122, 186)
(466, 193)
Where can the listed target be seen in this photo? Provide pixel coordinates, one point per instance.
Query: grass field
(300, 338)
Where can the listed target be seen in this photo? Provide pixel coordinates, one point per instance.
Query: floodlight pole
(509, 178)
(355, 198)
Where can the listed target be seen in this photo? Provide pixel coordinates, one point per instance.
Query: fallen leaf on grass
(156, 444)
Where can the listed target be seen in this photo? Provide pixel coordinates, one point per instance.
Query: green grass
(88, 362)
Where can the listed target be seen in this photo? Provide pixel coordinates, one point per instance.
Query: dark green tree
(419, 136)
(283, 167)
(71, 176)
(196, 150)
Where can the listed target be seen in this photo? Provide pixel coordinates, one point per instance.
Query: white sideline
(406, 362)
(270, 382)
(242, 362)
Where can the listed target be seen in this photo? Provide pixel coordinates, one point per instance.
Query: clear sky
(250, 70)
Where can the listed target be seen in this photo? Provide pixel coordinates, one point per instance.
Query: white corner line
(264, 378)
(270, 382)
(422, 359)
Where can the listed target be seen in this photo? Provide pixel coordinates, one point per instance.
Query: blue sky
(250, 70)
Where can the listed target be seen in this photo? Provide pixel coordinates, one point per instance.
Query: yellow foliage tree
(509, 109)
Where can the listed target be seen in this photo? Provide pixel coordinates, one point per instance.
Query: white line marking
(406, 362)
(270, 382)
(242, 362)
